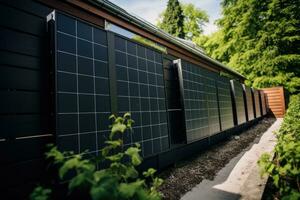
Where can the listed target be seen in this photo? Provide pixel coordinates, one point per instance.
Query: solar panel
(82, 85)
(200, 102)
(250, 109)
(263, 102)
(257, 103)
(225, 103)
(239, 101)
(140, 91)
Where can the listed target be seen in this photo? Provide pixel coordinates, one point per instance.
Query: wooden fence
(275, 97)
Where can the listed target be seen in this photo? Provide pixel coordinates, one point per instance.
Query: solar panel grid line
(139, 99)
(160, 143)
(89, 95)
(82, 74)
(128, 85)
(117, 50)
(78, 37)
(226, 116)
(78, 124)
(81, 56)
(95, 102)
(197, 94)
(151, 92)
(140, 70)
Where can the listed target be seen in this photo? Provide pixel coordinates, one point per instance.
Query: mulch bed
(185, 175)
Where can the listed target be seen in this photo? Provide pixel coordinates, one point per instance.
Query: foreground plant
(284, 169)
(120, 180)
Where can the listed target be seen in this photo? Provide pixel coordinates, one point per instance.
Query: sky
(150, 9)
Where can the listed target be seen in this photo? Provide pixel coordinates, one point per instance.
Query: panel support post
(178, 66)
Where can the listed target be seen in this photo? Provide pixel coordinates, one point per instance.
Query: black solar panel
(263, 103)
(239, 101)
(82, 85)
(200, 102)
(250, 109)
(257, 103)
(225, 103)
(140, 90)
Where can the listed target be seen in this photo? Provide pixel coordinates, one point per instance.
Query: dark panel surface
(200, 102)
(239, 102)
(257, 103)
(250, 109)
(140, 91)
(263, 102)
(225, 103)
(82, 84)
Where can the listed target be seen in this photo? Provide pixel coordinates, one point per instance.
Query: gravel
(185, 175)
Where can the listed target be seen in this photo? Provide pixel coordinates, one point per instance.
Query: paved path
(240, 178)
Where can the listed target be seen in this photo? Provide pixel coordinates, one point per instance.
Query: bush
(284, 168)
(120, 180)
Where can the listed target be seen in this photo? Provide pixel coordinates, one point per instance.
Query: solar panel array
(83, 92)
(263, 103)
(225, 103)
(249, 100)
(239, 102)
(140, 91)
(257, 103)
(200, 102)
(82, 85)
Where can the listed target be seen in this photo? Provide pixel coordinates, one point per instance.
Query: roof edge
(120, 12)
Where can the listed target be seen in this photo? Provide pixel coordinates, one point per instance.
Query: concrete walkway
(240, 178)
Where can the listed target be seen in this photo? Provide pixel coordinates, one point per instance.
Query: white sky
(150, 9)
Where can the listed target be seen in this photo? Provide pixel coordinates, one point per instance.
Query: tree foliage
(193, 20)
(172, 19)
(284, 169)
(259, 39)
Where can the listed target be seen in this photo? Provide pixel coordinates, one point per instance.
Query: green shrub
(284, 167)
(120, 180)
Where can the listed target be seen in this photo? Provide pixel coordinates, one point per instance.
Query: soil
(185, 175)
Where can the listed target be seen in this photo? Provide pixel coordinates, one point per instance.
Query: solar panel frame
(257, 103)
(239, 102)
(249, 102)
(263, 102)
(139, 78)
(225, 103)
(82, 92)
(200, 101)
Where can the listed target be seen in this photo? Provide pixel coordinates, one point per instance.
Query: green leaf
(114, 143)
(149, 173)
(133, 153)
(128, 190)
(40, 193)
(105, 189)
(77, 181)
(116, 157)
(67, 166)
(118, 128)
(276, 180)
(131, 172)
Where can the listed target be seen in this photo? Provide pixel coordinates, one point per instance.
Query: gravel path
(186, 174)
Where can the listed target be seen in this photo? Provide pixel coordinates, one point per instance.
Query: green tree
(260, 39)
(172, 19)
(194, 19)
